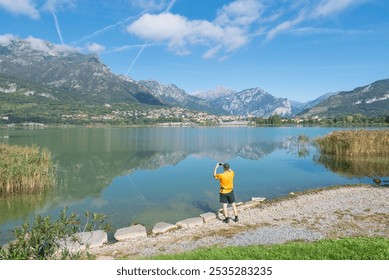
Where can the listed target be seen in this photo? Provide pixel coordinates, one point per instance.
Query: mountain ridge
(44, 72)
(369, 100)
(68, 71)
(253, 102)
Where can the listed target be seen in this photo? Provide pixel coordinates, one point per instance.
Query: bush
(42, 240)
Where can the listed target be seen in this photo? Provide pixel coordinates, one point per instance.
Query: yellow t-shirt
(226, 181)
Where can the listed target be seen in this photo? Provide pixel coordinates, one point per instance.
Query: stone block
(259, 199)
(209, 216)
(130, 232)
(190, 223)
(162, 227)
(84, 240)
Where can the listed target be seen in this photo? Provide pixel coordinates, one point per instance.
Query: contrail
(57, 27)
(168, 8)
(108, 27)
(135, 59)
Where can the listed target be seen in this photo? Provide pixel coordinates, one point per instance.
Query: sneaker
(236, 219)
(226, 220)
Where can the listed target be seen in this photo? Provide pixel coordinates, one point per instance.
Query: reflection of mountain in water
(154, 159)
(258, 150)
(254, 151)
(88, 174)
(90, 159)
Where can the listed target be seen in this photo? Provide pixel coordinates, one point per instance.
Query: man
(226, 190)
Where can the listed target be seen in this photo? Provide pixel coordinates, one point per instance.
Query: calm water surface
(149, 175)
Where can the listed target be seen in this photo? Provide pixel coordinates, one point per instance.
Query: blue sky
(298, 49)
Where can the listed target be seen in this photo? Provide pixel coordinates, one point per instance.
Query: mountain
(369, 100)
(254, 102)
(65, 71)
(174, 96)
(214, 93)
(298, 107)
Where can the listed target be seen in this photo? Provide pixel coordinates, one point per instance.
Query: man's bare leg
(235, 210)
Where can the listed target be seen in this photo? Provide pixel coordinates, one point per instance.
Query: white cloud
(308, 11)
(55, 5)
(179, 32)
(328, 7)
(154, 5)
(38, 44)
(6, 39)
(284, 26)
(228, 32)
(240, 12)
(95, 48)
(20, 7)
(234, 25)
(160, 27)
(43, 46)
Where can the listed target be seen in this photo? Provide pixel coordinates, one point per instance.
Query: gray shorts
(227, 197)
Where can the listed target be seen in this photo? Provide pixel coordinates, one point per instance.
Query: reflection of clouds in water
(99, 202)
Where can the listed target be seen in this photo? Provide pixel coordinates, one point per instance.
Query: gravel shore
(327, 213)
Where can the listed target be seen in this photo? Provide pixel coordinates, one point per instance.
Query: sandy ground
(327, 213)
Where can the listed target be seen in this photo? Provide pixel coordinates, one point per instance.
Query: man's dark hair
(226, 166)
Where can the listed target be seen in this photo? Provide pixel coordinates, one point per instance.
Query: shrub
(42, 241)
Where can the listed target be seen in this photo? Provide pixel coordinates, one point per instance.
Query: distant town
(177, 116)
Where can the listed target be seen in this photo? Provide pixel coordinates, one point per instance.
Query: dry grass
(355, 143)
(25, 169)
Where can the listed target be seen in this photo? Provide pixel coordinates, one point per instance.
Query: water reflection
(88, 173)
(20, 206)
(165, 174)
(356, 167)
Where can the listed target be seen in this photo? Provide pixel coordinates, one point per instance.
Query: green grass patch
(356, 248)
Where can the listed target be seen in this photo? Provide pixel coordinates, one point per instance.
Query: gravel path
(328, 213)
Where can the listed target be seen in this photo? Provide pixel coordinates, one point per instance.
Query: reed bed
(25, 169)
(355, 143)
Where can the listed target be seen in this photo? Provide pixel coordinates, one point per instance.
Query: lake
(152, 174)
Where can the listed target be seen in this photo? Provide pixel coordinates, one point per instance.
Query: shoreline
(65, 126)
(327, 213)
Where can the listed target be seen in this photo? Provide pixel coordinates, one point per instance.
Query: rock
(84, 240)
(190, 223)
(162, 227)
(258, 199)
(209, 216)
(252, 203)
(130, 232)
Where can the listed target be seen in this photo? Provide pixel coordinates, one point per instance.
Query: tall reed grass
(25, 169)
(355, 143)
